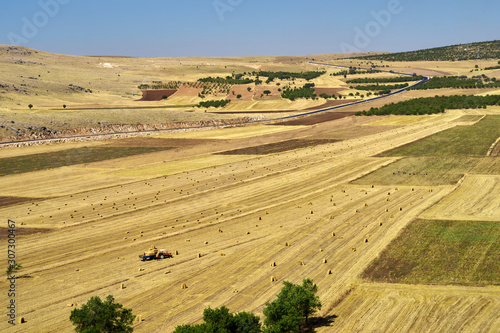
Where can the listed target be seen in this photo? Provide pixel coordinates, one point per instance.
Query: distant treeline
(216, 104)
(307, 91)
(291, 75)
(226, 80)
(387, 79)
(353, 71)
(432, 105)
(458, 83)
(473, 51)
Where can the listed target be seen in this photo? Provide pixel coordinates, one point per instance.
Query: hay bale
(329, 272)
(325, 261)
(301, 263)
(77, 270)
(334, 204)
(122, 286)
(222, 254)
(380, 224)
(357, 211)
(366, 204)
(273, 264)
(333, 234)
(176, 252)
(260, 218)
(138, 318)
(312, 212)
(206, 242)
(21, 320)
(167, 272)
(273, 279)
(141, 269)
(248, 232)
(366, 240)
(353, 249)
(183, 286)
(400, 208)
(199, 255)
(220, 230)
(69, 305)
(286, 244)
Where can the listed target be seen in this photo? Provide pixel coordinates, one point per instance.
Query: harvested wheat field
(395, 218)
(227, 209)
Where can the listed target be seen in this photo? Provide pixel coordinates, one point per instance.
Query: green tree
(30, 106)
(220, 320)
(267, 92)
(97, 316)
(292, 308)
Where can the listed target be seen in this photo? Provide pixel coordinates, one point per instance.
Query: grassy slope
(441, 159)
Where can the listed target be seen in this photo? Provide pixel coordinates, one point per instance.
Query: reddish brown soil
(316, 119)
(259, 93)
(19, 231)
(277, 147)
(7, 201)
(241, 89)
(157, 142)
(186, 91)
(156, 95)
(329, 91)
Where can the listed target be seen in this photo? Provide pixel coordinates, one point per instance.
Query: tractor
(154, 253)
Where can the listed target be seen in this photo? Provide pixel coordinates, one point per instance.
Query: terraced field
(235, 222)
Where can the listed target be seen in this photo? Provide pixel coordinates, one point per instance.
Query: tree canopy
(220, 320)
(97, 316)
(292, 308)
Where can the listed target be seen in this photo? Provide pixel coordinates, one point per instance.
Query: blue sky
(156, 28)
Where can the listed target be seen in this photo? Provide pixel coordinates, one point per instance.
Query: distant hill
(471, 51)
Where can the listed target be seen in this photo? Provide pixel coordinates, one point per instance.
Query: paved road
(111, 135)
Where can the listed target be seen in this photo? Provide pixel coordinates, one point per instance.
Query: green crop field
(28, 163)
(441, 252)
(421, 171)
(472, 140)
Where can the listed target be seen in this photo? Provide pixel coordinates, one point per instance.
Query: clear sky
(167, 28)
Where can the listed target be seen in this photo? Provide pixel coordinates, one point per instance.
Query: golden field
(234, 222)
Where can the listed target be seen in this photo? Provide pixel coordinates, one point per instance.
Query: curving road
(111, 135)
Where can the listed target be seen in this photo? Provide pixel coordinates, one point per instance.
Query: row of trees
(353, 70)
(307, 91)
(387, 79)
(457, 83)
(227, 80)
(432, 105)
(289, 312)
(291, 75)
(216, 104)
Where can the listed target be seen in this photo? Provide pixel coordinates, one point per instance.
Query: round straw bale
(329, 272)
(273, 279)
(273, 264)
(183, 286)
(21, 320)
(366, 240)
(325, 261)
